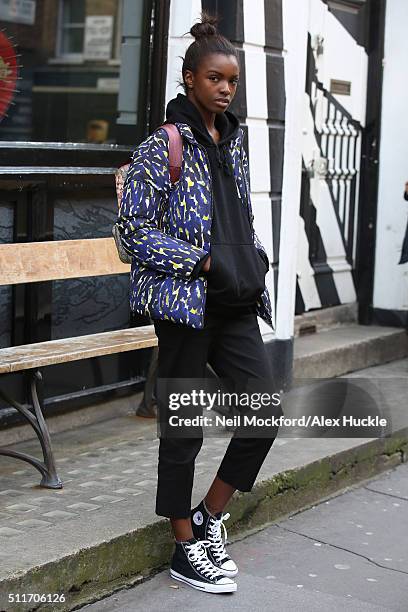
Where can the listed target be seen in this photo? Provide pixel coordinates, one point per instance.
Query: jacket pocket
(236, 276)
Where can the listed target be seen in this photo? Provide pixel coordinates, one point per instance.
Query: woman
(199, 272)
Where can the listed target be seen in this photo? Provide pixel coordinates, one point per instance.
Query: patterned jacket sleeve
(257, 242)
(145, 191)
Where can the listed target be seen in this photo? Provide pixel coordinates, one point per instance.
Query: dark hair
(207, 40)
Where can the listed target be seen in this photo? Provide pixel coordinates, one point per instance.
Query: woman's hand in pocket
(207, 264)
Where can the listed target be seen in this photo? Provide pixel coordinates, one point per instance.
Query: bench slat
(41, 354)
(59, 259)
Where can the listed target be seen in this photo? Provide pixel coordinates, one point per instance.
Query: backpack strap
(175, 160)
(120, 177)
(175, 151)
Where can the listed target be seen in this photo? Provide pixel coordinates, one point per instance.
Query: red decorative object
(8, 73)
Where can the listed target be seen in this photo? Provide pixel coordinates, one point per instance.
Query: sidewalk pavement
(100, 532)
(348, 553)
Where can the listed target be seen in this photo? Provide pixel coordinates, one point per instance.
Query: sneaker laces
(197, 554)
(214, 536)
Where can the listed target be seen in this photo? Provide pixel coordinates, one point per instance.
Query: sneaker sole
(204, 586)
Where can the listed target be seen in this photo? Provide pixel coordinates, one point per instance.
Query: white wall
(391, 279)
(182, 16)
(258, 132)
(295, 27)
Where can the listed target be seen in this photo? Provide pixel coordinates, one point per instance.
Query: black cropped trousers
(234, 348)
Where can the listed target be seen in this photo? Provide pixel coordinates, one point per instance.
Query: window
(71, 29)
(75, 29)
(72, 79)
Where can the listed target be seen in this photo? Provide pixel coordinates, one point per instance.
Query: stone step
(347, 348)
(326, 318)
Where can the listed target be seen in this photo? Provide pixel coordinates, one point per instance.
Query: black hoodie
(236, 278)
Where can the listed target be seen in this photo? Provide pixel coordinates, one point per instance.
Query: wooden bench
(45, 261)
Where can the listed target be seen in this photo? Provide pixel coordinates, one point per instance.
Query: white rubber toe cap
(229, 568)
(225, 580)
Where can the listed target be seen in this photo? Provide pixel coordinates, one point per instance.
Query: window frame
(117, 43)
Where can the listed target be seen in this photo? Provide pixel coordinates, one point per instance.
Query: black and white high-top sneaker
(209, 527)
(190, 564)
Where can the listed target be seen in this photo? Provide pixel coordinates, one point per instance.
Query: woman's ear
(188, 79)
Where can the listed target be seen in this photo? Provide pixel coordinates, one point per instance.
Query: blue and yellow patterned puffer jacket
(167, 228)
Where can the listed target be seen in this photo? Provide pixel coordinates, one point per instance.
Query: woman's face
(213, 85)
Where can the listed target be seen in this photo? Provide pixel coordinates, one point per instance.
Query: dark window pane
(90, 218)
(94, 304)
(72, 40)
(89, 305)
(73, 11)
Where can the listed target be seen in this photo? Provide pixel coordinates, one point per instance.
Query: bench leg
(147, 407)
(47, 468)
(148, 404)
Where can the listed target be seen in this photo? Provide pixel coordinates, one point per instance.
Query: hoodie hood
(181, 110)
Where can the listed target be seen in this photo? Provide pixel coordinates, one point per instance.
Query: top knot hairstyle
(207, 40)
